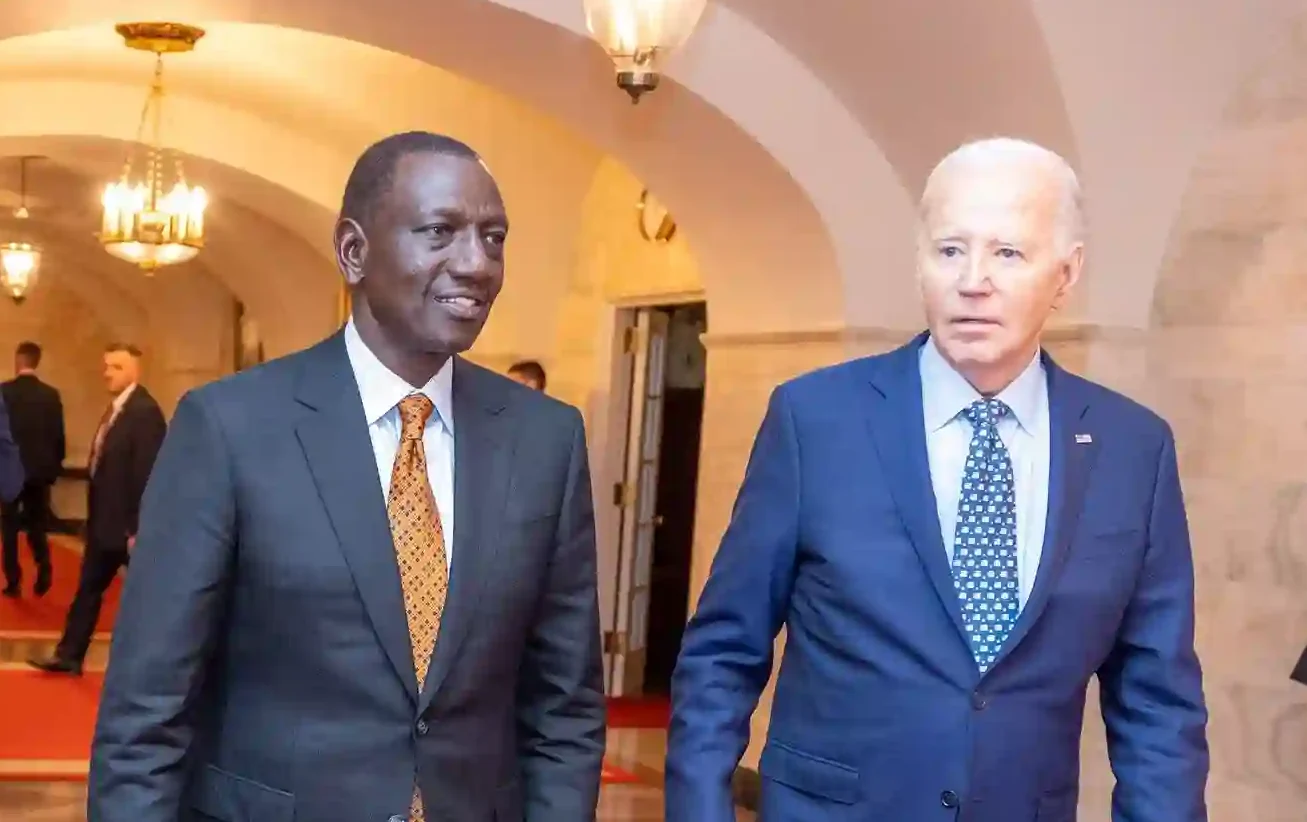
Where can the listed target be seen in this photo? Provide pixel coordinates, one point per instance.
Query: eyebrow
(462, 215)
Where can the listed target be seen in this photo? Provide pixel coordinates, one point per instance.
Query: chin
(978, 351)
(449, 340)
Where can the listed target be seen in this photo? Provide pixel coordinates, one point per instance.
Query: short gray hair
(1071, 216)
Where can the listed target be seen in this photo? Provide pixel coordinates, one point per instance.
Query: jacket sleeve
(561, 708)
(726, 653)
(172, 606)
(1151, 685)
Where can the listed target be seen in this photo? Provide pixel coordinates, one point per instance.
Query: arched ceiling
(255, 256)
(789, 144)
(921, 77)
(1233, 259)
(743, 211)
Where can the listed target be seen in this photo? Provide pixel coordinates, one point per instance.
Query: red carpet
(638, 712)
(48, 720)
(617, 776)
(30, 617)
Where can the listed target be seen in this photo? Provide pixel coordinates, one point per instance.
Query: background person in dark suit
(36, 420)
(364, 587)
(957, 535)
(122, 454)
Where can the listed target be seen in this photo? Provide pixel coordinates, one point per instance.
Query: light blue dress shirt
(1025, 432)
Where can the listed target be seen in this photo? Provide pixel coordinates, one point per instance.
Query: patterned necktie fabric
(985, 543)
(419, 545)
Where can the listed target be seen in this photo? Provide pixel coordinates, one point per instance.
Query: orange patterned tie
(419, 545)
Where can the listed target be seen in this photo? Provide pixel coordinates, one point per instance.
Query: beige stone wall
(614, 265)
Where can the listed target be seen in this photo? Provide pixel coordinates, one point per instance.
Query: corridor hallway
(774, 177)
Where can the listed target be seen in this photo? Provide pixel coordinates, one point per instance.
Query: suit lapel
(898, 427)
(483, 450)
(336, 444)
(1073, 445)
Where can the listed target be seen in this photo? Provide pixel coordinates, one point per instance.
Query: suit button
(422, 728)
(948, 799)
(979, 702)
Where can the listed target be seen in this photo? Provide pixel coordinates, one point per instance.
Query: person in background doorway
(528, 372)
(123, 450)
(36, 420)
(957, 536)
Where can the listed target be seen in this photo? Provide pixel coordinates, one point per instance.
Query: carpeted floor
(30, 617)
(638, 711)
(48, 722)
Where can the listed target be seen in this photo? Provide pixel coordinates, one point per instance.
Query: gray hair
(1003, 150)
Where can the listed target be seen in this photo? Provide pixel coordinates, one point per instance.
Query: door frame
(611, 491)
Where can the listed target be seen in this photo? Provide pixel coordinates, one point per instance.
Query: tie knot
(985, 413)
(414, 411)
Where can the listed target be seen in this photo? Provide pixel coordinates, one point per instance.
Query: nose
(973, 279)
(468, 258)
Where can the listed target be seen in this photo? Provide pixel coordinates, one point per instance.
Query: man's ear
(1069, 275)
(351, 249)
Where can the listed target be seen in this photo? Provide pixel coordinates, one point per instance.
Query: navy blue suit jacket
(12, 475)
(880, 711)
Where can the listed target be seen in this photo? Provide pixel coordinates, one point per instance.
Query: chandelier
(142, 223)
(638, 35)
(20, 262)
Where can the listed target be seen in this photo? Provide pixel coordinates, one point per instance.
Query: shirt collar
(381, 389)
(121, 400)
(945, 393)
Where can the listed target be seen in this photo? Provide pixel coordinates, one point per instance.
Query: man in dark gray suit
(315, 525)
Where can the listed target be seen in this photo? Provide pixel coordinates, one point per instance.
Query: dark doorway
(678, 480)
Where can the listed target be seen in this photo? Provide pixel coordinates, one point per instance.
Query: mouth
(462, 306)
(968, 327)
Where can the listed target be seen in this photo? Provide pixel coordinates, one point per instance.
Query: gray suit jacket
(261, 668)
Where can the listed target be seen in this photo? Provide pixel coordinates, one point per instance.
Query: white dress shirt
(381, 390)
(106, 422)
(945, 394)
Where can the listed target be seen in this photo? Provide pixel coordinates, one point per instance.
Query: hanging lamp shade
(639, 35)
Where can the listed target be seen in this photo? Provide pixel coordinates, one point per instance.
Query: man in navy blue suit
(957, 536)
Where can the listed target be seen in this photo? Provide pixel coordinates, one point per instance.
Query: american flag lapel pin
(1082, 439)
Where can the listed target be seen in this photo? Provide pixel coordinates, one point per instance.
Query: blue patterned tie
(985, 543)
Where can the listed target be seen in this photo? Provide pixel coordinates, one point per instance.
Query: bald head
(1013, 163)
(1000, 246)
